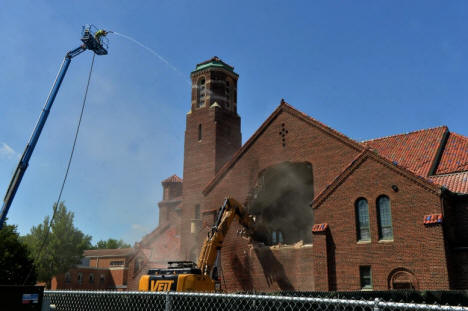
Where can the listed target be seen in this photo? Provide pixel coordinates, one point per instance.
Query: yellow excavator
(186, 275)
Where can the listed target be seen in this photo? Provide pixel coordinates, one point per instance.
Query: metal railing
(172, 301)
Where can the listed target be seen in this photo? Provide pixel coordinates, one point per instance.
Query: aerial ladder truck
(188, 276)
(93, 40)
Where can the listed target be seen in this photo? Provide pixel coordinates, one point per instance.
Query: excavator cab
(93, 40)
(178, 276)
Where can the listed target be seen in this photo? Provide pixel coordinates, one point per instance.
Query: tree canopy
(60, 249)
(111, 244)
(15, 264)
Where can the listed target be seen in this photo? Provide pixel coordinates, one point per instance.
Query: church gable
(364, 235)
(289, 135)
(367, 155)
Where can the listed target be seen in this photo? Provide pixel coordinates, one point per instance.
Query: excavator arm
(230, 210)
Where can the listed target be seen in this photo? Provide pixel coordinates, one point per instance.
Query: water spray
(152, 52)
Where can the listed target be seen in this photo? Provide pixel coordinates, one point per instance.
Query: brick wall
(269, 268)
(415, 247)
(221, 138)
(106, 261)
(59, 281)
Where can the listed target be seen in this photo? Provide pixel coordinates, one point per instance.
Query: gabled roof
(118, 252)
(363, 156)
(283, 107)
(172, 179)
(416, 151)
(457, 182)
(455, 155)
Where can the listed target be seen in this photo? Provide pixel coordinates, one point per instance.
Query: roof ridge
(172, 179)
(458, 135)
(408, 133)
(283, 103)
(448, 174)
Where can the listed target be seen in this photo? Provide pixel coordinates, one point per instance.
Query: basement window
(280, 203)
(365, 277)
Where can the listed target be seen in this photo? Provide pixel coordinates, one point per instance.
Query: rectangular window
(117, 263)
(199, 132)
(366, 277)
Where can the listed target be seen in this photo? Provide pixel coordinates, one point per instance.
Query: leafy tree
(111, 244)
(56, 250)
(15, 264)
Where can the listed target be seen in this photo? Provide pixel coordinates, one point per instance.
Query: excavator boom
(185, 275)
(230, 210)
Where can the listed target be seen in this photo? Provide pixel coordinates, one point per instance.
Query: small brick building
(332, 213)
(100, 269)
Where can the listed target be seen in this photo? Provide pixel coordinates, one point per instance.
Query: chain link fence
(172, 301)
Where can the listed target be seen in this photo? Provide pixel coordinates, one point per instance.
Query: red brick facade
(419, 174)
(102, 269)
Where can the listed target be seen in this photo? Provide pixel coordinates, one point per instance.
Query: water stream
(154, 53)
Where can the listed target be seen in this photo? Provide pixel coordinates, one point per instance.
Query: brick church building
(331, 213)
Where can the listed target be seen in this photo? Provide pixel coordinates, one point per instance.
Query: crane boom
(90, 43)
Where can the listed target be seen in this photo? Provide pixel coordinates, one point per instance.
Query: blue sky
(366, 68)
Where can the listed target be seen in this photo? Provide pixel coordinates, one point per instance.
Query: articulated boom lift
(188, 276)
(93, 40)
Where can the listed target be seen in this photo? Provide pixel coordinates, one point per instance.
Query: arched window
(199, 132)
(362, 220)
(402, 278)
(91, 278)
(201, 92)
(384, 218)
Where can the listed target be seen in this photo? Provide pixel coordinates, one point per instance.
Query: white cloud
(7, 151)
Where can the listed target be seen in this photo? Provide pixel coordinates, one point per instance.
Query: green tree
(56, 249)
(111, 244)
(15, 264)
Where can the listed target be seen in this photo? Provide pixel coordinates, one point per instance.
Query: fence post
(376, 304)
(168, 301)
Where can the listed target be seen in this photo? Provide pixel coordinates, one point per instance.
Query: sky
(365, 68)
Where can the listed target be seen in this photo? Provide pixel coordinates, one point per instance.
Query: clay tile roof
(416, 151)
(455, 155)
(119, 252)
(457, 182)
(173, 179)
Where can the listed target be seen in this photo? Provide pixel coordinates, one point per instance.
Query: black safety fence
(171, 301)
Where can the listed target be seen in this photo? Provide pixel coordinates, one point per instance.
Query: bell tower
(212, 136)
